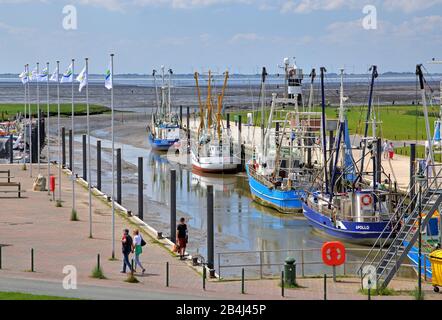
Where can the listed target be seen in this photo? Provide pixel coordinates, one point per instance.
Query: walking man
(126, 243)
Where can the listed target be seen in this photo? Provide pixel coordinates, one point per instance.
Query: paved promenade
(35, 222)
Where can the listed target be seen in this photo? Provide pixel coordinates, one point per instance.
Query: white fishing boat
(213, 150)
(164, 130)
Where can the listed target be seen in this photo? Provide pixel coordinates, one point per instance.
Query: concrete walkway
(35, 222)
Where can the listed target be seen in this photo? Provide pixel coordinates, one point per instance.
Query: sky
(239, 35)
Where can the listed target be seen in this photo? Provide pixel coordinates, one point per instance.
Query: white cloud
(410, 5)
(307, 6)
(249, 37)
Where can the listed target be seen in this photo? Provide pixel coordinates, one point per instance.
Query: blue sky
(242, 35)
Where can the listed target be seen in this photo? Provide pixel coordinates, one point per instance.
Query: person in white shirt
(138, 249)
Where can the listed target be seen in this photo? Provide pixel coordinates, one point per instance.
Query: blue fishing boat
(164, 130)
(346, 206)
(267, 194)
(283, 167)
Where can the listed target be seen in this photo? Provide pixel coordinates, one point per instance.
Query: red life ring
(366, 200)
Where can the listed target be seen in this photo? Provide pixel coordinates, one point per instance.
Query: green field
(420, 153)
(9, 110)
(397, 122)
(26, 296)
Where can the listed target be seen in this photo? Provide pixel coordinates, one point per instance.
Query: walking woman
(138, 249)
(182, 237)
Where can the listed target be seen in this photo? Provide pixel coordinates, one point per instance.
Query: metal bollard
(243, 291)
(99, 165)
(0, 257)
(282, 283)
(98, 261)
(325, 287)
(32, 260)
(204, 278)
(63, 147)
(140, 189)
(167, 274)
(173, 206)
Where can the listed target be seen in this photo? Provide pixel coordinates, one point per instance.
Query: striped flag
(68, 76)
(108, 80)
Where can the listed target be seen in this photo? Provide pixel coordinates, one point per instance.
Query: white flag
(24, 77)
(109, 79)
(55, 76)
(83, 79)
(68, 76)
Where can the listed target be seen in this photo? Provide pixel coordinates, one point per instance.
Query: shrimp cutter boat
(214, 150)
(164, 130)
(284, 166)
(347, 206)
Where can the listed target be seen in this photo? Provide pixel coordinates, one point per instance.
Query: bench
(7, 173)
(13, 185)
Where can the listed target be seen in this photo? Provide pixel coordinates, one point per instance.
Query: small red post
(52, 186)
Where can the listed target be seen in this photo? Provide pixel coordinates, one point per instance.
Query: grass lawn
(26, 296)
(420, 152)
(398, 122)
(10, 110)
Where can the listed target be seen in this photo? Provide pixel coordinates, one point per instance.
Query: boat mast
(154, 73)
(200, 104)
(220, 105)
(341, 131)
(323, 128)
(310, 101)
(163, 98)
(263, 92)
(209, 102)
(430, 159)
(374, 75)
(170, 103)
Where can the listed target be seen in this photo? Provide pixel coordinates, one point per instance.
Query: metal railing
(308, 263)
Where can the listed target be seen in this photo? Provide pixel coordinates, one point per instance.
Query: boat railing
(308, 263)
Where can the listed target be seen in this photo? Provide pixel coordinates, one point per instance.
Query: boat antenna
(324, 135)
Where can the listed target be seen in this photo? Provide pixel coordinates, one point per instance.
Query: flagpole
(38, 117)
(58, 131)
(30, 121)
(113, 154)
(24, 117)
(47, 126)
(73, 140)
(89, 148)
